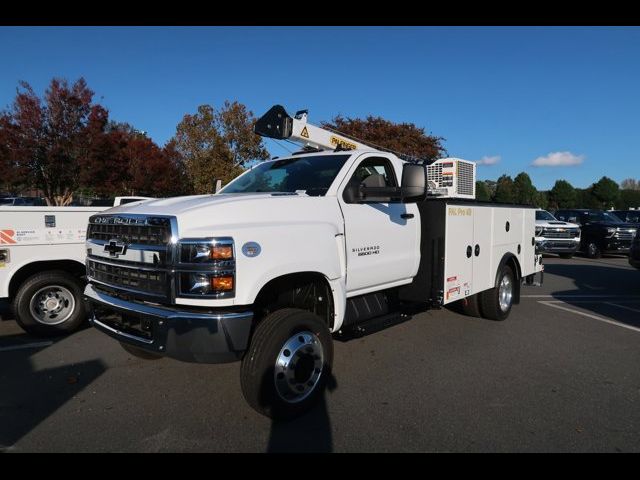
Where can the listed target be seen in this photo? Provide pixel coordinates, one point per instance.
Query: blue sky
(567, 95)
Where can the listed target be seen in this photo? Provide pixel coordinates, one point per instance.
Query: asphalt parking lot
(561, 374)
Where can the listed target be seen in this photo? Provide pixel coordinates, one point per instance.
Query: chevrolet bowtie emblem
(115, 248)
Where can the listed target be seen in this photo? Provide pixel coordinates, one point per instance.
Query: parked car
(554, 236)
(22, 202)
(602, 232)
(629, 216)
(634, 253)
(13, 202)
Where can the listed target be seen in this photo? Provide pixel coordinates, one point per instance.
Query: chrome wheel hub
(52, 305)
(298, 367)
(505, 293)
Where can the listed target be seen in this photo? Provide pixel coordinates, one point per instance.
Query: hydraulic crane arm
(278, 124)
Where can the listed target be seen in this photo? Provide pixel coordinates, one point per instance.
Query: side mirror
(414, 183)
(351, 193)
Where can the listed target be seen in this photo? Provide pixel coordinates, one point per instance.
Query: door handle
(406, 215)
(469, 251)
(477, 250)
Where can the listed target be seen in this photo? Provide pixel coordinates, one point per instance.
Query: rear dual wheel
(496, 303)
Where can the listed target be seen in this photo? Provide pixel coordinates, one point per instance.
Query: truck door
(382, 239)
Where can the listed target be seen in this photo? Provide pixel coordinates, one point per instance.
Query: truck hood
(555, 224)
(623, 226)
(222, 214)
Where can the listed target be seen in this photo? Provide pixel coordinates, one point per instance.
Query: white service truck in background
(42, 264)
(296, 249)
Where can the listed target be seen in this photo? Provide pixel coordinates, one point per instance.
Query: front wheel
(593, 251)
(285, 370)
(496, 303)
(50, 303)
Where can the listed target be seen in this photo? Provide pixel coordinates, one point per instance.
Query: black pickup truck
(601, 232)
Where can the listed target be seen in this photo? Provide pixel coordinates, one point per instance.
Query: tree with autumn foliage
(404, 138)
(217, 144)
(47, 138)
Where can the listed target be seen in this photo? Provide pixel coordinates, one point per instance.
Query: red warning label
(7, 237)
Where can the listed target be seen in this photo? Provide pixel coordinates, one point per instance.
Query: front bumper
(190, 336)
(617, 246)
(557, 246)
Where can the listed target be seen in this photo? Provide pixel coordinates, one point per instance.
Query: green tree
(483, 193)
(541, 200)
(606, 192)
(505, 190)
(524, 191)
(217, 144)
(628, 199)
(586, 199)
(562, 195)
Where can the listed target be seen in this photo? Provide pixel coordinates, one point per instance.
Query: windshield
(544, 215)
(603, 217)
(311, 174)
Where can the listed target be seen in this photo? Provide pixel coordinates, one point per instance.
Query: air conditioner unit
(451, 178)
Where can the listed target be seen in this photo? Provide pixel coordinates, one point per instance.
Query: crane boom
(446, 177)
(279, 125)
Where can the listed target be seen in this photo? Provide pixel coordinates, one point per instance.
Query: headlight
(538, 231)
(206, 283)
(611, 232)
(206, 251)
(207, 268)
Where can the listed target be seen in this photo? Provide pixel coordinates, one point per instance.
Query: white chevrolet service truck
(296, 249)
(42, 265)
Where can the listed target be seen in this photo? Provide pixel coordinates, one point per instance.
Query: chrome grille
(141, 262)
(624, 234)
(560, 232)
(131, 230)
(152, 282)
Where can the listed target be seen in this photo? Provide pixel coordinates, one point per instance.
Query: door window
(374, 172)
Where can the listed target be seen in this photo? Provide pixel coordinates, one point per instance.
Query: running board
(374, 324)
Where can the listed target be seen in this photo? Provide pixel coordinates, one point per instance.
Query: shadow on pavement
(597, 280)
(309, 433)
(28, 397)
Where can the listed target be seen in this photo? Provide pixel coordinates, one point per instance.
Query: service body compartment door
(483, 268)
(458, 263)
(527, 262)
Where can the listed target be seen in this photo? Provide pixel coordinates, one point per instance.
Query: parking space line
(623, 306)
(26, 345)
(589, 315)
(580, 296)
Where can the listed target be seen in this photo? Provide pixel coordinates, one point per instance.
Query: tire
(274, 341)
(566, 255)
(50, 303)
(139, 352)
(593, 251)
(490, 300)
